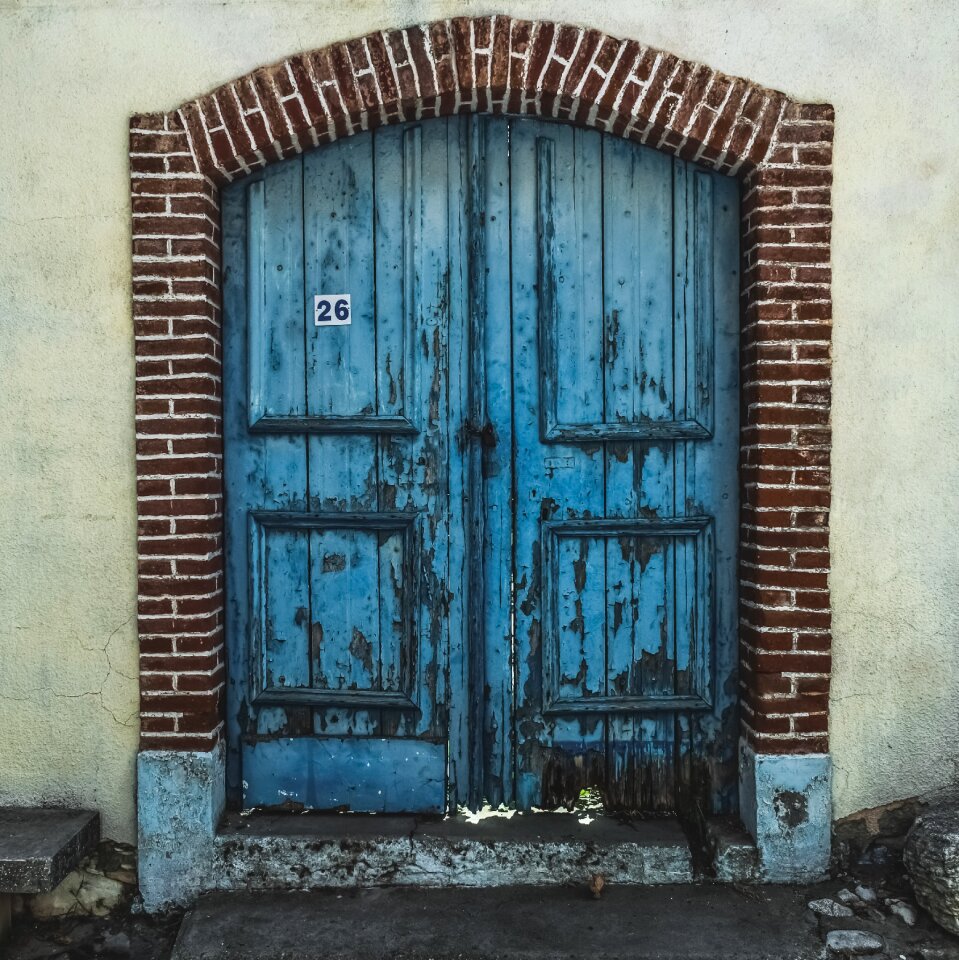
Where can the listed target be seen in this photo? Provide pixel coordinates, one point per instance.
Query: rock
(853, 943)
(829, 908)
(866, 894)
(117, 945)
(99, 885)
(80, 893)
(906, 912)
(932, 859)
(847, 897)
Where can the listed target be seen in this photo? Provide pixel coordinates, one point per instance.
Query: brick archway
(780, 149)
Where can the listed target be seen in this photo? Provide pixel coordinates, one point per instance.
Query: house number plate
(332, 310)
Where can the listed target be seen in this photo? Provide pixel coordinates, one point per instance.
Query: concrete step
(307, 852)
(39, 847)
(690, 922)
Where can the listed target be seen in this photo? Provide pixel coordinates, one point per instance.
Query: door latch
(486, 434)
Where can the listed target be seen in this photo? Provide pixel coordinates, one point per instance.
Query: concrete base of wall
(786, 805)
(181, 797)
(186, 850)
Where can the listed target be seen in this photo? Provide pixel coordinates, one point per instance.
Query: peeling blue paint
(180, 799)
(786, 804)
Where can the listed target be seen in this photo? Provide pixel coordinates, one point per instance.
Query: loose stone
(866, 894)
(847, 897)
(904, 911)
(853, 943)
(829, 908)
(117, 945)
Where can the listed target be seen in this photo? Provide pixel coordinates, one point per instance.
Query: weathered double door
(481, 530)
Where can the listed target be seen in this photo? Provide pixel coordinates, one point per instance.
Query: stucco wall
(72, 73)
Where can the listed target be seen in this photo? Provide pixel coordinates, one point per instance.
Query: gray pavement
(678, 922)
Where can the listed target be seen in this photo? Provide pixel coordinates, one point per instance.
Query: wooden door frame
(779, 148)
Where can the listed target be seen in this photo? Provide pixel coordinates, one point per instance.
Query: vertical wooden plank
(396, 368)
(711, 487)
(285, 598)
(236, 413)
(395, 335)
(637, 213)
(413, 270)
(464, 647)
(263, 359)
(556, 233)
(342, 360)
(580, 616)
(489, 510)
(394, 628)
(341, 381)
(345, 615)
(637, 245)
(276, 292)
(700, 340)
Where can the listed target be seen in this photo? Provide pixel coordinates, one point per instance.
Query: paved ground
(688, 922)
(525, 923)
(86, 938)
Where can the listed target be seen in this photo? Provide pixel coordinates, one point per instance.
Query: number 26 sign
(332, 310)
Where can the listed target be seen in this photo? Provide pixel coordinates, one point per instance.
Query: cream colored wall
(71, 73)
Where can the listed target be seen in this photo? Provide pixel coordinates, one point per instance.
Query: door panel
(625, 472)
(482, 540)
(342, 466)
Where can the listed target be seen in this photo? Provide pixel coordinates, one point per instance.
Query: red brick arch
(781, 149)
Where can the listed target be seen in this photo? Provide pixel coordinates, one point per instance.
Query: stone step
(691, 922)
(39, 846)
(306, 852)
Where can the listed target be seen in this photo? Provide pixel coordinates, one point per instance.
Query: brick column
(784, 551)
(176, 315)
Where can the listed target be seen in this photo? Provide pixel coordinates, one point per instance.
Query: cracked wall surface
(73, 73)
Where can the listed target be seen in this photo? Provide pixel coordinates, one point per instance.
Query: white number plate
(332, 310)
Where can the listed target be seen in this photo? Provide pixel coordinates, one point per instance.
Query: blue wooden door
(482, 540)
(343, 472)
(624, 436)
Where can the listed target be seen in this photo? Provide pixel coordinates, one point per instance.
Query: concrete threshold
(309, 852)
(690, 922)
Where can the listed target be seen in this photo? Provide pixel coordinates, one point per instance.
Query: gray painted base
(786, 805)
(308, 853)
(180, 800)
